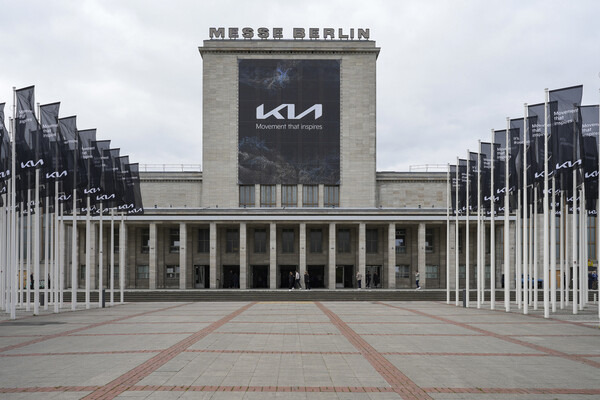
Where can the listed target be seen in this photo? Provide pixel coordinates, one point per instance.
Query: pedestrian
(375, 279)
(359, 278)
(31, 286)
(291, 280)
(48, 281)
(306, 280)
(368, 279)
(297, 276)
(417, 277)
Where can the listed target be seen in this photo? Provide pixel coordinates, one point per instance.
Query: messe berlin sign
(296, 33)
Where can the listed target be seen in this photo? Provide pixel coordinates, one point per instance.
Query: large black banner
(566, 135)
(462, 186)
(499, 169)
(5, 148)
(289, 121)
(590, 129)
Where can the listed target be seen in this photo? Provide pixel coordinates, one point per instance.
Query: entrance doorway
(260, 276)
(201, 276)
(373, 276)
(317, 276)
(284, 274)
(343, 276)
(231, 276)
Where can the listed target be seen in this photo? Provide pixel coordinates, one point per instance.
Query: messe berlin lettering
(297, 33)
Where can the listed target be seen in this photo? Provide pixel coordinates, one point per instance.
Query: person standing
(306, 280)
(298, 280)
(417, 278)
(375, 279)
(359, 278)
(291, 281)
(368, 279)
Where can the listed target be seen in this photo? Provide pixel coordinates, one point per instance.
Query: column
(183, 262)
(331, 250)
(213, 255)
(93, 255)
(392, 256)
(278, 195)
(152, 256)
(421, 254)
(243, 257)
(256, 195)
(362, 252)
(273, 255)
(302, 251)
(321, 195)
(452, 256)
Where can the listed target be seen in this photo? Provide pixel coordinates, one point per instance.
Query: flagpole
(467, 249)
(552, 249)
(36, 246)
(535, 226)
(582, 245)
(506, 224)
(519, 256)
(47, 239)
(457, 238)
(122, 245)
(13, 225)
(574, 245)
(492, 230)
(112, 257)
(598, 219)
(100, 261)
(74, 249)
(448, 195)
(525, 207)
(479, 299)
(88, 251)
(56, 269)
(546, 251)
(530, 257)
(27, 239)
(563, 247)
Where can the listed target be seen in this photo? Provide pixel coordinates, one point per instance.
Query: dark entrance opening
(317, 276)
(260, 276)
(201, 276)
(344, 276)
(284, 275)
(373, 274)
(231, 276)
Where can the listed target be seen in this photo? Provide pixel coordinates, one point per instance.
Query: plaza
(299, 350)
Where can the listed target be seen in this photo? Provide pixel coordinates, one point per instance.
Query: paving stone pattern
(299, 350)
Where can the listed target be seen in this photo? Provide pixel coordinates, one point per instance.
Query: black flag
(564, 109)
(499, 169)
(5, 148)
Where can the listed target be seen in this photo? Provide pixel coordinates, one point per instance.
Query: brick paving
(300, 350)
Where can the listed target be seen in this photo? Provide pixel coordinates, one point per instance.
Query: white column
(331, 252)
(391, 256)
(153, 256)
(213, 255)
(244, 256)
(302, 250)
(421, 257)
(183, 259)
(272, 255)
(362, 252)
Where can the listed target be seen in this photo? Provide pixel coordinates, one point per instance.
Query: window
(461, 240)
(116, 274)
(260, 240)
(310, 195)
(287, 240)
(400, 241)
(402, 271)
(203, 240)
(289, 195)
(332, 196)
(143, 272)
(174, 240)
(429, 241)
(82, 272)
(432, 271)
(343, 241)
(462, 272)
(145, 240)
(247, 196)
(591, 226)
(172, 272)
(316, 241)
(232, 241)
(371, 236)
(268, 195)
(116, 243)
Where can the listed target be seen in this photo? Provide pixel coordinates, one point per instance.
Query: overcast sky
(448, 71)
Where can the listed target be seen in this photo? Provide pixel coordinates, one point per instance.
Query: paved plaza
(300, 350)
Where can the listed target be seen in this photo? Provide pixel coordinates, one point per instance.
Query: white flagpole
(467, 247)
(598, 220)
(535, 226)
(55, 258)
(112, 257)
(479, 299)
(448, 195)
(27, 239)
(546, 251)
(60, 253)
(574, 245)
(88, 254)
(582, 246)
(492, 230)
(457, 238)
(100, 261)
(122, 261)
(13, 215)
(47, 240)
(36, 245)
(564, 294)
(519, 256)
(525, 209)
(3, 247)
(506, 224)
(74, 249)
(553, 248)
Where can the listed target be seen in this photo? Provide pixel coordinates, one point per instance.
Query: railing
(428, 168)
(170, 167)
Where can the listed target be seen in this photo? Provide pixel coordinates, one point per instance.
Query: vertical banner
(499, 169)
(589, 150)
(486, 176)
(565, 128)
(473, 187)
(289, 121)
(453, 184)
(462, 186)
(52, 147)
(5, 148)
(515, 164)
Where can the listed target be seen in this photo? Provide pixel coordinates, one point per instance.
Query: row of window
(288, 239)
(289, 196)
(431, 271)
